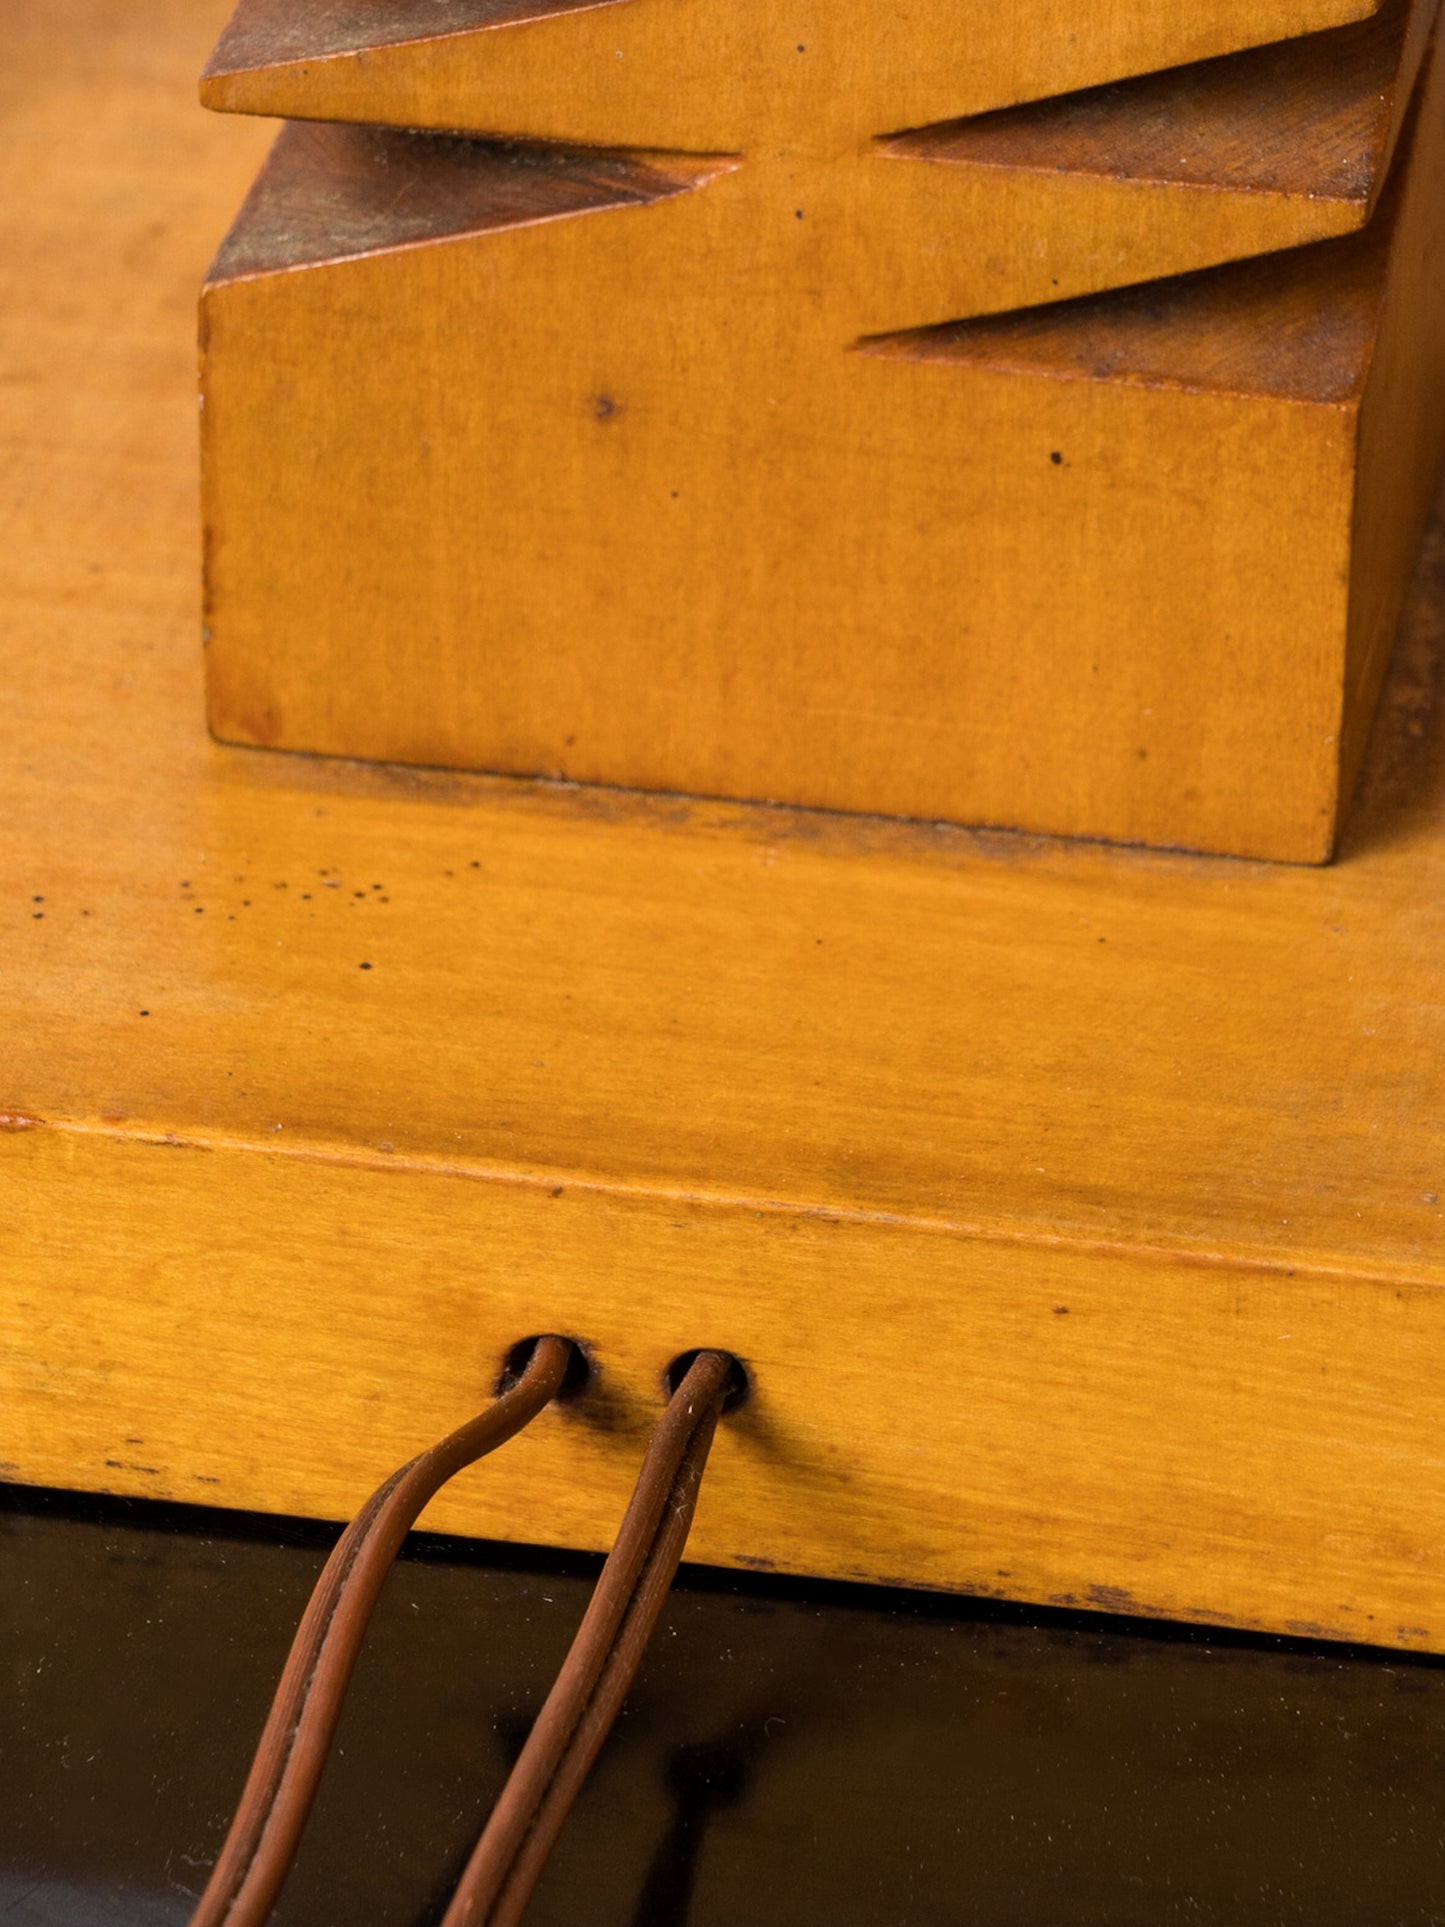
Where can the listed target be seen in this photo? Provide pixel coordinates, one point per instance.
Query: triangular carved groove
(1314, 118)
(266, 33)
(331, 192)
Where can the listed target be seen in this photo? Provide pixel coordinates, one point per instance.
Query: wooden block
(487, 501)
(649, 73)
(1078, 1209)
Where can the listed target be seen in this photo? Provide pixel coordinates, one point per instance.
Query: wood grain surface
(615, 498)
(1159, 175)
(1312, 117)
(1175, 171)
(1119, 185)
(652, 73)
(1078, 1210)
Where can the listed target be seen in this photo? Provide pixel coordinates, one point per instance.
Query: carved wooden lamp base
(1057, 467)
(1077, 1210)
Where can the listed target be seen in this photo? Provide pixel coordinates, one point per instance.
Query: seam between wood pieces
(1020, 1233)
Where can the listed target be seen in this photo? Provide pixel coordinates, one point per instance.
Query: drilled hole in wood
(739, 1384)
(574, 1382)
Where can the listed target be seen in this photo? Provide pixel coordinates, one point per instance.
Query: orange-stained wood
(650, 73)
(559, 496)
(1078, 1210)
(1179, 170)
(1159, 175)
(339, 193)
(496, 488)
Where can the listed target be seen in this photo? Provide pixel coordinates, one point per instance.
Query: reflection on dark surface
(700, 1778)
(791, 1756)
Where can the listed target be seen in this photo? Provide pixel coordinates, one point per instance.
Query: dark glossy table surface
(791, 1755)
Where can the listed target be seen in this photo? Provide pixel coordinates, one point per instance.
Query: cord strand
(281, 1786)
(623, 1662)
(602, 1661)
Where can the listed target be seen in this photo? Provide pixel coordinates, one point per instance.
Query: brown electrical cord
(588, 1692)
(619, 1670)
(302, 1721)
